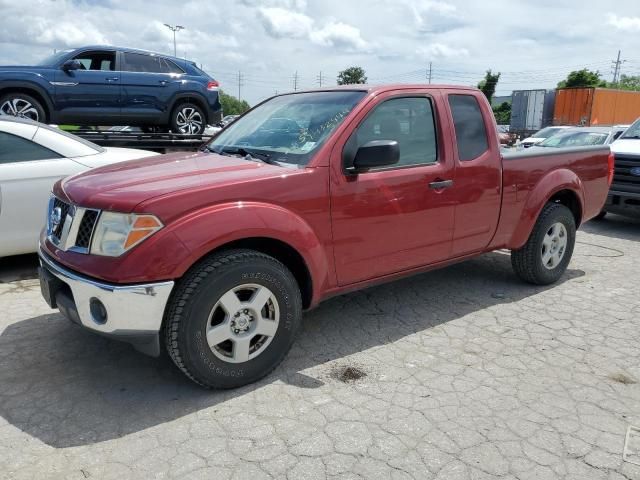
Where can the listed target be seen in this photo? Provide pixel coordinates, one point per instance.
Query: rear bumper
(623, 203)
(131, 313)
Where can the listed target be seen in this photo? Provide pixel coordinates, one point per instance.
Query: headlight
(118, 232)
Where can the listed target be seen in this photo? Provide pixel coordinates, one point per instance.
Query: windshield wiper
(248, 154)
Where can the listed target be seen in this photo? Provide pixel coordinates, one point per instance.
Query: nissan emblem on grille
(55, 219)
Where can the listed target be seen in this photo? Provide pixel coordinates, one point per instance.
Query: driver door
(93, 92)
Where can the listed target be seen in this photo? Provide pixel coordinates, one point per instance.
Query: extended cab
(308, 195)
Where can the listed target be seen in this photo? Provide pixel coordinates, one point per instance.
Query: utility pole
(319, 78)
(240, 84)
(429, 73)
(174, 29)
(617, 63)
(295, 81)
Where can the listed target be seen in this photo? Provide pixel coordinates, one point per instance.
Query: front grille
(83, 239)
(623, 180)
(56, 230)
(70, 227)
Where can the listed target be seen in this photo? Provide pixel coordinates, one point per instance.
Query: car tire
(22, 105)
(219, 311)
(189, 119)
(600, 216)
(547, 253)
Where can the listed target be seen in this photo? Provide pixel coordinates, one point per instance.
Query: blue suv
(100, 85)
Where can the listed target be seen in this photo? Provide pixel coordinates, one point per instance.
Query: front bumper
(623, 203)
(131, 313)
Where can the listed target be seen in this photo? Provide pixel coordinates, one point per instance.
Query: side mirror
(73, 64)
(373, 154)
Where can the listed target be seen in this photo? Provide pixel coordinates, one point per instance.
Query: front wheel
(188, 118)
(547, 253)
(233, 318)
(23, 106)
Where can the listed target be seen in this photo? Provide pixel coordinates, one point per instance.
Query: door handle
(112, 79)
(440, 184)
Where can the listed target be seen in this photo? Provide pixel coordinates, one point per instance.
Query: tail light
(212, 85)
(611, 166)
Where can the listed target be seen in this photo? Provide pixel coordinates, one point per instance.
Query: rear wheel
(23, 106)
(547, 253)
(233, 318)
(188, 118)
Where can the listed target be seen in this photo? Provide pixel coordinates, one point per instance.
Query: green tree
(488, 84)
(351, 76)
(503, 113)
(628, 82)
(583, 78)
(231, 105)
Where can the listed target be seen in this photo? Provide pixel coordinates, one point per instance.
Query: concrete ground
(462, 373)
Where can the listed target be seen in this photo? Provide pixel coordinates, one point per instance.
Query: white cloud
(282, 23)
(341, 35)
(624, 23)
(440, 50)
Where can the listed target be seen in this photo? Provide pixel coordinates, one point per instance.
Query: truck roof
(384, 87)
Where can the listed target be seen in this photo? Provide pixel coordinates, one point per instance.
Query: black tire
(600, 216)
(193, 300)
(182, 113)
(35, 111)
(527, 261)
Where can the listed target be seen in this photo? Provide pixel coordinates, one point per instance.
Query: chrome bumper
(133, 312)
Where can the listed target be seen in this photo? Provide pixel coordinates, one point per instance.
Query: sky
(534, 44)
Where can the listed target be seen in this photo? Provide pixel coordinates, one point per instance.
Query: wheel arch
(189, 97)
(559, 186)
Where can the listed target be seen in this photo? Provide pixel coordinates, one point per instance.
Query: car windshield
(287, 129)
(546, 132)
(54, 59)
(633, 131)
(575, 139)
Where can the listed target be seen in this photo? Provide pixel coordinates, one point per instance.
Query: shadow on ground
(614, 226)
(68, 387)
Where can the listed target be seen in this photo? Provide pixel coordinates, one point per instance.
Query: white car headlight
(118, 232)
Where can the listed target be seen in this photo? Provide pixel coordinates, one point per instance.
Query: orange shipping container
(595, 106)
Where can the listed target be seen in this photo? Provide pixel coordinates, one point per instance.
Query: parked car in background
(583, 136)
(33, 157)
(102, 85)
(624, 196)
(227, 119)
(216, 253)
(541, 135)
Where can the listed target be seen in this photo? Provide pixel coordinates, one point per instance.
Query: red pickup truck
(215, 254)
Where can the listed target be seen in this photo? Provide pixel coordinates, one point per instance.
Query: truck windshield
(633, 131)
(53, 60)
(289, 128)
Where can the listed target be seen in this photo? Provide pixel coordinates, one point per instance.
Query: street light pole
(174, 29)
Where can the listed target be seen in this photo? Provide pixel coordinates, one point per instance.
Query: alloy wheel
(19, 107)
(189, 121)
(554, 245)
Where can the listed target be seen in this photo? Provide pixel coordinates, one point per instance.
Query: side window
(410, 122)
(471, 134)
(139, 62)
(168, 66)
(15, 149)
(97, 60)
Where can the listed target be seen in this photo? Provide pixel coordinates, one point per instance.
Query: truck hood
(122, 186)
(626, 145)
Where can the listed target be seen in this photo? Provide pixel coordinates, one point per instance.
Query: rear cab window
(469, 125)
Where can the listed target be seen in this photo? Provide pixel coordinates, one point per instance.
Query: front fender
(29, 81)
(210, 228)
(550, 184)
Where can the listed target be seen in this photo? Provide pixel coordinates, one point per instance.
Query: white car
(541, 135)
(629, 142)
(33, 157)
